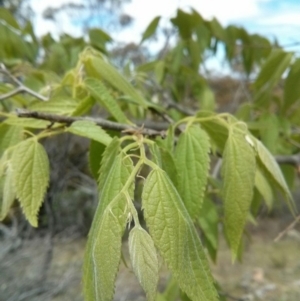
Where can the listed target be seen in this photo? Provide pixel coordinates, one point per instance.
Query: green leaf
(273, 68)
(103, 252)
(273, 171)
(208, 221)
(7, 191)
(175, 237)
(31, 177)
(292, 86)
(107, 161)
(10, 136)
(102, 95)
(269, 131)
(192, 162)
(84, 106)
(89, 129)
(217, 130)
(99, 38)
(27, 122)
(96, 151)
(144, 260)
(238, 173)
(165, 160)
(59, 106)
(6, 16)
(151, 29)
(217, 30)
(96, 65)
(264, 187)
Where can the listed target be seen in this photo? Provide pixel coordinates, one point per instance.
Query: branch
(105, 124)
(20, 87)
(148, 128)
(293, 159)
(287, 229)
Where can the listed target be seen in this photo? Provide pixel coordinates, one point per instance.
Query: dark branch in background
(287, 229)
(292, 159)
(105, 124)
(181, 109)
(20, 87)
(148, 128)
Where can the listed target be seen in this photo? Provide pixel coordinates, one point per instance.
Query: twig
(105, 124)
(293, 159)
(20, 87)
(287, 229)
(181, 109)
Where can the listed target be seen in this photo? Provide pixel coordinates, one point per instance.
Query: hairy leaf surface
(238, 173)
(89, 129)
(27, 122)
(107, 161)
(192, 161)
(175, 237)
(31, 177)
(144, 260)
(103, 252)
(102, 95)
(57, 105)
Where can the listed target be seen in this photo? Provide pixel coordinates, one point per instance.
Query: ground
(269, 271)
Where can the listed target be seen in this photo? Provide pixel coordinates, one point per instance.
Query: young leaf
(175, 237)
(151, 28)
(103, 252)
(89, 129)
(107, 161)
(102, 95)
(270, 165)
(31, 177)
(57, 105)
(238, 173)
(144, 260)
(192, 161)
(97, 65)
(27, 122)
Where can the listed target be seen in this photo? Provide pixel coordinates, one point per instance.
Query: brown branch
(287, 229)
(20, 87)
(105, 124)
(149, 128)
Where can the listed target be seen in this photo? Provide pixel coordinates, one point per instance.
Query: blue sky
(272, 18)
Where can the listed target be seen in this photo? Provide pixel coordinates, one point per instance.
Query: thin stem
(20, 87)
